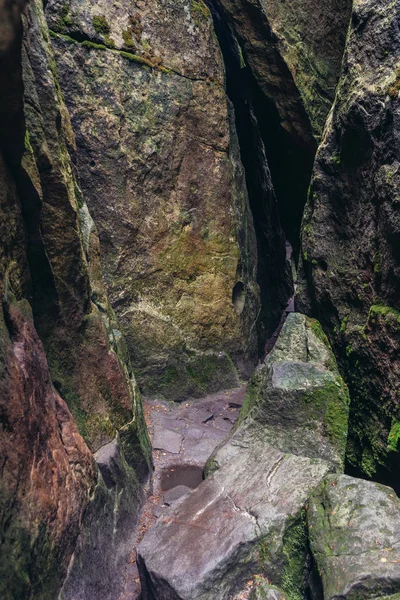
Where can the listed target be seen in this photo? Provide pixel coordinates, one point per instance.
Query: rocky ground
(183, 437)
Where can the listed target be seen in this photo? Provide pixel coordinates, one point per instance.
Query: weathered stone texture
(51, 494)
(165, 187)
(71, 309)
(47, 471)
(350, 240)
(248, 516)
(295, 51)
(354, 528)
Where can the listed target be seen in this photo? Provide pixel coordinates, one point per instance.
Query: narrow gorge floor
(183, 437)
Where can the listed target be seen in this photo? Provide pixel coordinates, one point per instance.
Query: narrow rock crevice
(257, 127)
(270, 109)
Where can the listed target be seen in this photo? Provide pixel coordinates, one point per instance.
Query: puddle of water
(189, 475)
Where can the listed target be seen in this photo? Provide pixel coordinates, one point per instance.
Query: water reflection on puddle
(189, 475)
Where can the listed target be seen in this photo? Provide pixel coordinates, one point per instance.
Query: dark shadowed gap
(290, 155)
(256, 121)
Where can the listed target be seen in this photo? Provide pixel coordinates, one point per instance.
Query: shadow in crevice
(277, 166)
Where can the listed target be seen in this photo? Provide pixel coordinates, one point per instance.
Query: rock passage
(183, 437)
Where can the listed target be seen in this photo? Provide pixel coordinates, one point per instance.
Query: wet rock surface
(249, 514)
(176, 474)
(354, 530)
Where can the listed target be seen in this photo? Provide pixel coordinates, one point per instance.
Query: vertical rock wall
(293, 51)
(159, 165)
(56, 331)
(351, 235)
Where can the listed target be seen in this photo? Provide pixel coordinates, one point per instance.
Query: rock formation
(350, 236)
(293, 53)
(354, 530)
(248, 515)
(155, 159)
(58, 342)
(165, 187)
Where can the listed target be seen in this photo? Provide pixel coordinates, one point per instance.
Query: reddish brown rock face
(56, 327)
(48, 472)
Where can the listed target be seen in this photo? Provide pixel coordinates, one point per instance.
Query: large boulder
(297, 401)
(350, 273)
(165, 186)
(354, 528)
(248, 516)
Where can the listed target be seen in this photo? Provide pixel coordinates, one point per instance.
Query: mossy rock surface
(298, 397)
(354, 287)
(171, 254)
(353, 527)
(250, 512)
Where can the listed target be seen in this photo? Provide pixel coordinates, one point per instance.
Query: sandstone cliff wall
(58, 341)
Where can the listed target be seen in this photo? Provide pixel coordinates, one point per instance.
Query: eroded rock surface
(354, 530)
(289, 57)
(295, 52)
(55, 509)
(165, 187)
(350, 238)
(248, 516)
(297, 401)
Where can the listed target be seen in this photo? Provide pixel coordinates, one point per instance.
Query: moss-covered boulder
(249, 515)
(354, 537)
(297, 399)
(159, 165)
(350, 272)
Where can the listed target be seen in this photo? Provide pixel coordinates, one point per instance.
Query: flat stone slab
(167, 440)
(202, 416)
(198, 451)
(354, 528)
(223, 424)
(167, 422)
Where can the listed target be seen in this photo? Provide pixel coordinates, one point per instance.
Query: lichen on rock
(349, 272)
(166, 190)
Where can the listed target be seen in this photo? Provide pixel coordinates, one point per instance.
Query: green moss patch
(394, 436)
(110, 45)
(334, 401)
(387, 312)
(295, 547)
(199, 11)
(101, 25)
